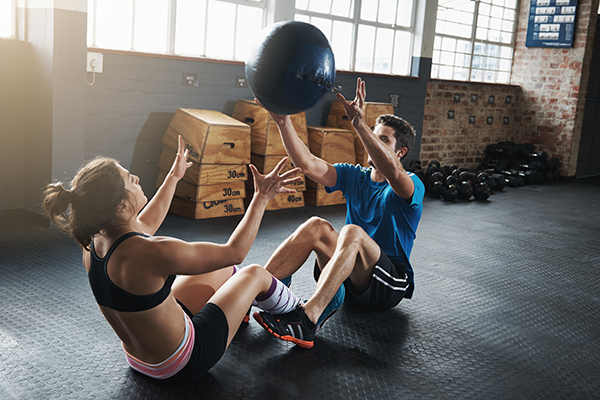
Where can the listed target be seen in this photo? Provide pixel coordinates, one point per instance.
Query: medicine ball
(290, 67)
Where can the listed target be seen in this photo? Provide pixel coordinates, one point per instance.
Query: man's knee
(318, 229)
(352, 234)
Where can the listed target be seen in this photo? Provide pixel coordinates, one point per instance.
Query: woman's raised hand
(180, 165)
(274, 183)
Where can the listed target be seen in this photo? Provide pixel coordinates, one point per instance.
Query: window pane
(91, 20)
(461, 74)
(324, 26)
(6, 18)
(463, 60)
(341, 44)
(476, 75)
(383, 44)
(322, 6)
(387, 10)
(445, 72)
(189, 27)
(503, 77)
(447, 58)
(448, 44)
(249, 23)
(364, 48)
(301, 4)
(506, 37)
(151, 18)
(114, 20)
(302, 18)
(402, 53)
(343, 8)
(505, 65)
(219, 35)
(463, 46)
(368, 10)
(404, 13)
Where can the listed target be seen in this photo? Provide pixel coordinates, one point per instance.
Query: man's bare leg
(316, 234)
(354, 257)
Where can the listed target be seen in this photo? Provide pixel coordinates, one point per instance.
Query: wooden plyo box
(203, 193)
(319, 197)
(337, 118)
(211, 137)
(286, 200)
(205, 174)
(265, 136)
(333, 145)
(207, 209)
(280, 201)
(266, 164)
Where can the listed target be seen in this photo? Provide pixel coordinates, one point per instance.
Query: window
(474, 40)
(221, 29)
(365, 35)
(7, 9)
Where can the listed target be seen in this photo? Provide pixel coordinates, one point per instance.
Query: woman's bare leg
(195, 290)
(236, 295)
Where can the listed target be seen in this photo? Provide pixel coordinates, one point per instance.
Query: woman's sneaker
(293, 327)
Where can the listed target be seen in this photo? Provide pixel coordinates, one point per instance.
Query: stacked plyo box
(337, 118)
(334, 145)
(267, 150)
(219, 149)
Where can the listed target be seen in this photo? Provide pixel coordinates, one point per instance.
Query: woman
(175, 305)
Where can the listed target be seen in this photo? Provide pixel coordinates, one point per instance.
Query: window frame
(473, 42)
(356, 21)
(13, 21)
(171, 30)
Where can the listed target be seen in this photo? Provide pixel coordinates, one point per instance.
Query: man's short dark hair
(403, 131)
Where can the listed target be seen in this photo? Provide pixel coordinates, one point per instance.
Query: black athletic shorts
(388, 286)
(211, 330)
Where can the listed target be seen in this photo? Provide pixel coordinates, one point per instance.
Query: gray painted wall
(132, 102)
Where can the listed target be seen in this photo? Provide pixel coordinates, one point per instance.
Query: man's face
(386, 135)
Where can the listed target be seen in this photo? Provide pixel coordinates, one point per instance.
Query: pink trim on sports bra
(174, 363)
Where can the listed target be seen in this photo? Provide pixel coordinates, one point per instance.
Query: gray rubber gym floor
(506, 306)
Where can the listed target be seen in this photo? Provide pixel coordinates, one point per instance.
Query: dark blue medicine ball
(291, 67)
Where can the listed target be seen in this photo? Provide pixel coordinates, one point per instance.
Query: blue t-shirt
(387, 218)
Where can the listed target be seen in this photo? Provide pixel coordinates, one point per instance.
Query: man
(370, 255)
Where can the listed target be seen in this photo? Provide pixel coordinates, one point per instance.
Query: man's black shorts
(389, 284)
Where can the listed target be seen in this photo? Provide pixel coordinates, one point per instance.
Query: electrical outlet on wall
(394, 99)
(94, 62)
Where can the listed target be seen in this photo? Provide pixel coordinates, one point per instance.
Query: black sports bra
(110, 295)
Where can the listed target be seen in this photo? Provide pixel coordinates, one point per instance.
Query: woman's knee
(253, 272)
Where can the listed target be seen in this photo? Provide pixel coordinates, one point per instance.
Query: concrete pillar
(56, 31)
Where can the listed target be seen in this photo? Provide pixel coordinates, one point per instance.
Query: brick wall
(554, 85)
(461, 119)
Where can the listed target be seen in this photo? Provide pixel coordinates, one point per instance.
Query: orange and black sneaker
(292, 327)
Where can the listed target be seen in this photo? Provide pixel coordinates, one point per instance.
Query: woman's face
(132, 185)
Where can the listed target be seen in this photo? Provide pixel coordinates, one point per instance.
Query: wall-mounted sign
(551, 23)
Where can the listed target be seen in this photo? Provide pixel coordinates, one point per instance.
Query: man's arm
(314, 167)
(385, 160)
